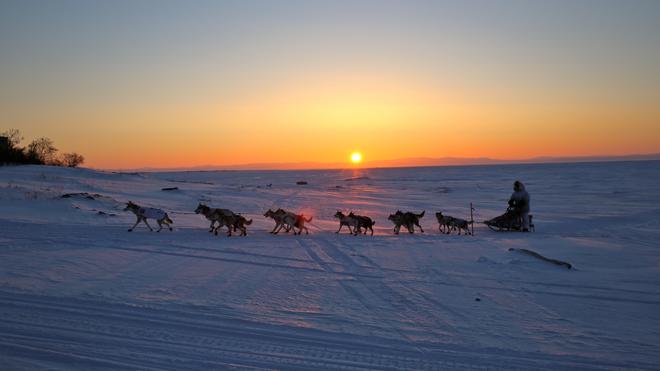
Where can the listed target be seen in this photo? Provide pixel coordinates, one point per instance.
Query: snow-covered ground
(77, 291)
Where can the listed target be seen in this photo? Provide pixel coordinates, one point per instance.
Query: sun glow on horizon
(356, 158)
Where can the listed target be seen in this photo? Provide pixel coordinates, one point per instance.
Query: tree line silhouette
(40, 151)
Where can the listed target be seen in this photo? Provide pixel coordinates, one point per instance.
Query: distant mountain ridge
(449, 161)
(406, 162)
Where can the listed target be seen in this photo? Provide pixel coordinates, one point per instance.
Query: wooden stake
(472, 218)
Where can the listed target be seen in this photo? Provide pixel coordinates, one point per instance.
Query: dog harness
(149, 212)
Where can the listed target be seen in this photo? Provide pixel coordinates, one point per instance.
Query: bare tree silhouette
(42, 149)
(72, 159)
(14, 136)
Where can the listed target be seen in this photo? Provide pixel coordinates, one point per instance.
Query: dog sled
(509, 221)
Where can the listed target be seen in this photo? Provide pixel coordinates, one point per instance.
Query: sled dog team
(288, 220)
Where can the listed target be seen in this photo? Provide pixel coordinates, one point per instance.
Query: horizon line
(409, 162)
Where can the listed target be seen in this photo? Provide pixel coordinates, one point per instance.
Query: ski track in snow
(79, 292)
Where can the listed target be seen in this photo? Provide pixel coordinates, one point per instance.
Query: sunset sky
(133, 84)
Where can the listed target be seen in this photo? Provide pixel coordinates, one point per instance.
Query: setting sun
(356, 157)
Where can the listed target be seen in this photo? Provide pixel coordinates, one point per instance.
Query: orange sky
(325, 121)
(148, 89)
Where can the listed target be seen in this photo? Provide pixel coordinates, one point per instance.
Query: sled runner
(509, 221)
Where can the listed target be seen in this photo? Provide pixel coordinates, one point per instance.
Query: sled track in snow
(89, 334)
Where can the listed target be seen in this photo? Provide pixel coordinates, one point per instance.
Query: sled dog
(300, 224)
(444, 222)
(235, 222)
(144, 213)
(364, 222)
(213, 214)
(282, 219)
(349, 221)
(286, 219)
(450, 224)
(460, 224)
(407, 219)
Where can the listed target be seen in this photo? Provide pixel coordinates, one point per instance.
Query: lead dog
(142, 213)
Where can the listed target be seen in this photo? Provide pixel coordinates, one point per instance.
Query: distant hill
(407, 162)
(449, 161)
